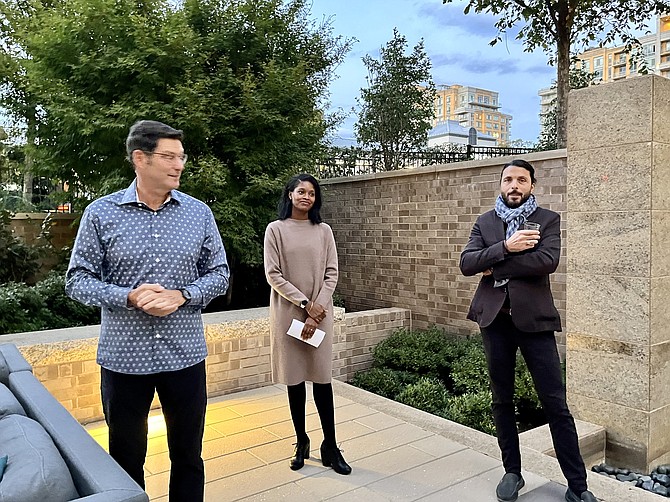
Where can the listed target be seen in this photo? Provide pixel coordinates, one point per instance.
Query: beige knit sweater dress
(300, 264)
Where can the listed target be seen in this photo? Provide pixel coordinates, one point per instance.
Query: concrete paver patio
(397, 454)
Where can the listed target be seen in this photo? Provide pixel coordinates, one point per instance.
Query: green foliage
(548, 139)
(469, 372)
(384, 381)
(397, 106)
(245, 79)
(447, 376)
(338, 300)
(425, 353)
(43, 306)
(472, 409)
(564, 27)
(18, 261)
(428, 394)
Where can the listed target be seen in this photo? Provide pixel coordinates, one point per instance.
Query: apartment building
(473, 107)
(609, 64)
(613, 63)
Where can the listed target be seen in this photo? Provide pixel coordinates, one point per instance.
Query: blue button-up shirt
(123, 243)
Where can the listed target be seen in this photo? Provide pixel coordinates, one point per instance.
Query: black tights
(323, 399)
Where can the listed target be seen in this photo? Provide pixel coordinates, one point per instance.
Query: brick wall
(400, 234)
(239, 356)
(27, 226)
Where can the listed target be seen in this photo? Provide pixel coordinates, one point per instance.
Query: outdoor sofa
(50, 456)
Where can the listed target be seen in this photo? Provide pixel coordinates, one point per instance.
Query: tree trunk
(31, 134)
(562, 78)
(28, 182)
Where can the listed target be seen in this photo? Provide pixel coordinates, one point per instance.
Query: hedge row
(43, 306)
(446, 376)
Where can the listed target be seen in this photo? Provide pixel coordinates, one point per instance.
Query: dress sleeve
(331, 273)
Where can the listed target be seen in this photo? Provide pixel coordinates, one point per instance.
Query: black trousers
(126, 400)
(501, 340)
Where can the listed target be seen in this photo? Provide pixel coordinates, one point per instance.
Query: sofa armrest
(93, 471)
(11, 360)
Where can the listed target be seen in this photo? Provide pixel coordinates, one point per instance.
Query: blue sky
(458, 46)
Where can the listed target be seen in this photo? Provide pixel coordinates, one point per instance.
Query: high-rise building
(473, 107)
(609, 64)
(613, 63)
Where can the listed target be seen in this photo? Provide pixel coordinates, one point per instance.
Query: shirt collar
(130, 195)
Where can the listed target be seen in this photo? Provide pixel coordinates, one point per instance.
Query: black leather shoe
(331, 456)
(586, 496)
(299, 455)
(509, 486)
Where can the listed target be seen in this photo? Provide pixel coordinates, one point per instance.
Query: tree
(561, 26)
(398, 105)
(245, 79)
(548, 135)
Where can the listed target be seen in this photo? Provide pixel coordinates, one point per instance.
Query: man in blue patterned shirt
(151, 257)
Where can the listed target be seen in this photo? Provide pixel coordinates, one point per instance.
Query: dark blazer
(531, 302)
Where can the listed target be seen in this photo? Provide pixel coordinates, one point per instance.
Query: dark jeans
(126, 400)
(501, 340)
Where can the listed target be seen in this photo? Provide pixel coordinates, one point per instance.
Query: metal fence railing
(350, 162)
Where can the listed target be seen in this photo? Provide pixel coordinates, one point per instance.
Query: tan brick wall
(400, 234)
(239, 358)
(27, 226)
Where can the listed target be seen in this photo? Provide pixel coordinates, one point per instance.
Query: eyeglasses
(170, 157)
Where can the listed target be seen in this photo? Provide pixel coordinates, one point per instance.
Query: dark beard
(513, 205)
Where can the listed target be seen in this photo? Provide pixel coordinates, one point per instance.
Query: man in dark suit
(514, 308)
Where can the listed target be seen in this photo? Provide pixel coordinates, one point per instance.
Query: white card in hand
(296, 329)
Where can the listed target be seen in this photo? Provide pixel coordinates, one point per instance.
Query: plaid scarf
(514, 217)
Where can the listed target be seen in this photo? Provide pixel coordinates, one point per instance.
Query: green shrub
(428, 394)
(384, 381)
(425, 353)
(469, 372)
(18, 261)
(338, 300)
(424, 368)
(472, 409)
(43, 306)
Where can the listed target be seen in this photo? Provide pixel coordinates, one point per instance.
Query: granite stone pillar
(618, 267)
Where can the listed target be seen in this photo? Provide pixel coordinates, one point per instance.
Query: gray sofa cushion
(35, 471)
(8, 403)
(95, 474)
(4, 370)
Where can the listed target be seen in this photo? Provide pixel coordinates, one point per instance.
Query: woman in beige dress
(301, 268)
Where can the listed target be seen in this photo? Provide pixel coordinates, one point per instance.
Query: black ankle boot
(299, 455)
(331, 456)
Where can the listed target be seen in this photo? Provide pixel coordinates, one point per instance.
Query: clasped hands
(315, 314)
(155, 300)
